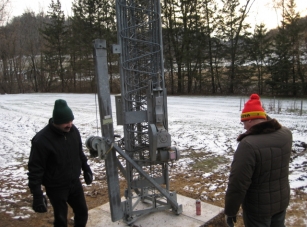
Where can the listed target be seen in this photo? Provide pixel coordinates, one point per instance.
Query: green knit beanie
(61, 112)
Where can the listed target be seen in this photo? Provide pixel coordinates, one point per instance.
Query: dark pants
(277, 220)
(74, 196)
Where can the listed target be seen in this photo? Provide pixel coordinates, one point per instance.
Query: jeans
(74, 196)
(277, 220)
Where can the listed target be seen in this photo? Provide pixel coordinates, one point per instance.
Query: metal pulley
(168, 154)
(96, 146)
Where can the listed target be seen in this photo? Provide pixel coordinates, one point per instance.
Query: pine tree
(259, 50)
(92, 19)
(286, 63)
(295, 31)
(55, 48)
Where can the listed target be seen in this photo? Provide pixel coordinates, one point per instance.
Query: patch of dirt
(192, 183)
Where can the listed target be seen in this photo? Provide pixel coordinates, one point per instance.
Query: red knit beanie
(253, 109)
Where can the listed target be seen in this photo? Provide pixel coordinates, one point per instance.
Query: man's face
(247, 124)
(64, 127)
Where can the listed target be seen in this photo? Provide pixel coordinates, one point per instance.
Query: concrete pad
(101, 216)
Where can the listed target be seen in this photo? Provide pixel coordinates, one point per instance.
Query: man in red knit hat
(259, 172)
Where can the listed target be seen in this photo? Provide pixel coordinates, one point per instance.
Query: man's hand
(39, 200)
(88, 176)
(39, 203)
(231, 220)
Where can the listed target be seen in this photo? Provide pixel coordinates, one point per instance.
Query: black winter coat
(56, 157)
(259, 172)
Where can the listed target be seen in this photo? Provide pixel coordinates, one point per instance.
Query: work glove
(231, 220)
(88, 175)
(39, 203)
(39, 200)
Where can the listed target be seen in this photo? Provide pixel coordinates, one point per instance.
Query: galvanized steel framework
(141, 109)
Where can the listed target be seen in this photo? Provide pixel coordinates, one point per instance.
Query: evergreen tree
(295, 32)
(259, 50)
(286, 64)
(92, 19)
(55, 48)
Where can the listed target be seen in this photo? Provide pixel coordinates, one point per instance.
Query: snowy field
(203, 124)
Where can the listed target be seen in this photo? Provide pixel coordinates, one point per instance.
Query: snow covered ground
(204, 124)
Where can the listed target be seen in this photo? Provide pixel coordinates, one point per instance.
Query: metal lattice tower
(141, 109)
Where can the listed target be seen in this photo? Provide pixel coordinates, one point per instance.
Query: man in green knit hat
(55, 161)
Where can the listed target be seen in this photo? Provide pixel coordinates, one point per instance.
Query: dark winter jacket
(259, 172)
(56, 157)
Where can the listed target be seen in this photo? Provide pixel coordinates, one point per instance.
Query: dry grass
(192, 183)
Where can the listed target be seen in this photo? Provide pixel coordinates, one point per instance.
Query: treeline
(208, 49)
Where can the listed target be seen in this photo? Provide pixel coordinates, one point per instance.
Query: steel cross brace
(175, 206)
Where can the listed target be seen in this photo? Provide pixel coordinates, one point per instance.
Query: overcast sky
(262, 10)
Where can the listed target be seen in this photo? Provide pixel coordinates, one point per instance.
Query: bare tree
(4, 4)
(232, 23)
